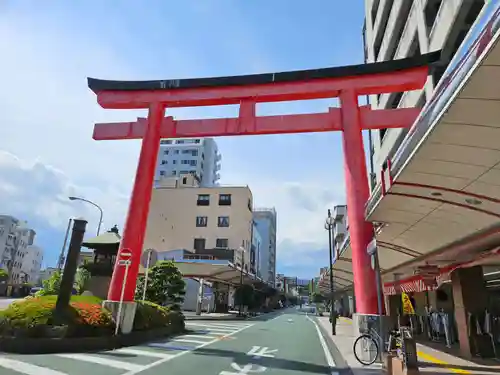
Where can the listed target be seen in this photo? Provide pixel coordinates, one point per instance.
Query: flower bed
(34, 317)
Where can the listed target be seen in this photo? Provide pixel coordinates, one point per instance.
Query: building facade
(395, 29)
(340, 226)
(265, 220)
(197, 156)
(255, 251)
(184, 215)
(19, 257)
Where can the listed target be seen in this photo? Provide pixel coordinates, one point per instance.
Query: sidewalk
(431, 361)
(344, 341)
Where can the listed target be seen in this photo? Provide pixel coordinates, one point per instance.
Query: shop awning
(221, 271)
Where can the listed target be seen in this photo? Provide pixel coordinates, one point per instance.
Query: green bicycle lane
(284, 345)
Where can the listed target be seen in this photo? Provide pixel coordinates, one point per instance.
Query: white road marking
(27, 368)
(328, 355)
(219, 328)
(139, 352)
(189, 340)
(103, 361)
(200, 336)
(154, 364)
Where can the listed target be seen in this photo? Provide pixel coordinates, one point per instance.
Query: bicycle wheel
(366, 350)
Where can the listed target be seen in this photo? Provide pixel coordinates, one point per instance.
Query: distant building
(197, 156)
(256, 251)
(265, 220)
(19, 257)
(184, 215)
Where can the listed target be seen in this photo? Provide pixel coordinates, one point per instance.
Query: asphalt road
(5, 302)
(280, 344)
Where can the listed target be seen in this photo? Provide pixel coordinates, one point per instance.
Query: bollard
(68, 277)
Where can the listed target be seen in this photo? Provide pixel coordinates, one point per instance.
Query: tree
(52, 285)
(82, 276)
(165, 285)
(317, 298)
(4, 275)
(244, 295)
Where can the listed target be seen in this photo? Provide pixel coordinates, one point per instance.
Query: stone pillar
(470, 296)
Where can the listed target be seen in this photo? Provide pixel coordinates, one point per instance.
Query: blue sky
(45, 134)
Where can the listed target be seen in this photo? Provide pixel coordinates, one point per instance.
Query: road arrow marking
(243, 370)
(262, 351)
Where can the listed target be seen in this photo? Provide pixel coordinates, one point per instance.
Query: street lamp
(329, 222)
(93, 204)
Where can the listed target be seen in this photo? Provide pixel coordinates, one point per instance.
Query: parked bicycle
(366, 348)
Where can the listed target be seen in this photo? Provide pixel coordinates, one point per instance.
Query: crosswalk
(124, 360)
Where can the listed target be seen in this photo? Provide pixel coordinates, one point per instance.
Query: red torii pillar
(346, 83)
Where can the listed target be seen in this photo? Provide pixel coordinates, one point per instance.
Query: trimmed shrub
(149, 315)
(34, 317)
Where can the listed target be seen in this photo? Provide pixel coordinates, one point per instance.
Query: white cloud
(38, 191)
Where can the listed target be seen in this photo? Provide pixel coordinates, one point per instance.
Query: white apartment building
(395, 29)
(185, 216)
(265, 220)
(30, 264)
(198, 156)
(19, 257)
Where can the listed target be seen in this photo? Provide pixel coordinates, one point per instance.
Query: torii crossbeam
(346, 83)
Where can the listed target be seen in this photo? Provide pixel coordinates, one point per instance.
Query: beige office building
(185, 216)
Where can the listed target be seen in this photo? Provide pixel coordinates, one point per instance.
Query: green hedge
(149, 315)
(34, 317)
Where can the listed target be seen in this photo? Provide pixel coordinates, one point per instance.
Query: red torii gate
(346, 83)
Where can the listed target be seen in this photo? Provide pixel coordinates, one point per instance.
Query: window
(164, 162)
(203, 200)
(162, 173)
(176, 151)
(201, 221)
(166, 152)
(174, 161)
(199, 244)
(223, 221)
(224, 199)
(196, 141)
(222, 242)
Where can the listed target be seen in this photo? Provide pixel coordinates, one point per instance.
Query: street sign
(149, 258)
(125, 254)
(427, 270)
(124, 262)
